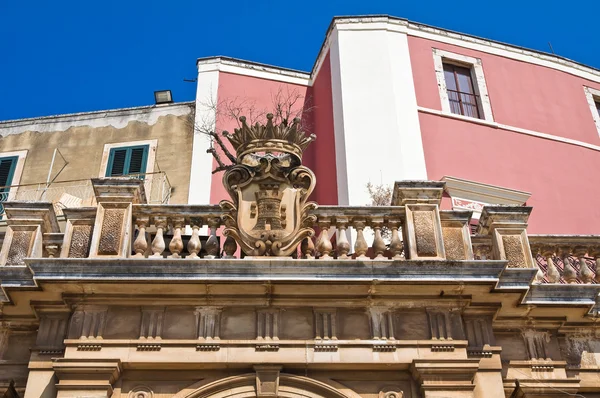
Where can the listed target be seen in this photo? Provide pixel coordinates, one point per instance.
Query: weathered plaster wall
(82, 145)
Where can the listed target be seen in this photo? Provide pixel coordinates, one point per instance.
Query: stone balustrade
(413, 228)
(571, 259)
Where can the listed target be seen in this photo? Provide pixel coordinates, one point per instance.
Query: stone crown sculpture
(283, 138)
(269, 188)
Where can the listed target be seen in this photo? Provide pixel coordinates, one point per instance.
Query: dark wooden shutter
(137, 164)
(6, 171)
(117, 166)
(128, 160)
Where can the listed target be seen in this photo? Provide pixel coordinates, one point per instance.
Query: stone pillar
(422, 229)
(112, 233)
(456, 232)
(507, 227)
(445, 378)
(91, 378)
(27, 222)
(78, 232)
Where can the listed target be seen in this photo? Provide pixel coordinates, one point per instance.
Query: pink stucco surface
(561, 177)
(522, 94)
(249, 94)
(260, 95)
(321, 153)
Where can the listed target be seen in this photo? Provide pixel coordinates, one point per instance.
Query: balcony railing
(462, 103)
(80, 193)
(122, 225)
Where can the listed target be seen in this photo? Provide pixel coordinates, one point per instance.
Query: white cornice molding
(454, 38)
(592, 96)
(253, 69)
(465, 189)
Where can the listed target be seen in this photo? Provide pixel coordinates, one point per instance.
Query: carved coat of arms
(269, 211)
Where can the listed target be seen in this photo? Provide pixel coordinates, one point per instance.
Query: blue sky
(68, 56)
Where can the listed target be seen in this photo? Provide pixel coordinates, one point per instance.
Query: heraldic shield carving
(269, 211)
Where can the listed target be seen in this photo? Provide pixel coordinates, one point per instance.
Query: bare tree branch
(286, 105)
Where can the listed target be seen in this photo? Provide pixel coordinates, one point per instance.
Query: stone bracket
(267, 380)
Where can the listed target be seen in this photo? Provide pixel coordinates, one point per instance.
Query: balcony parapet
(410, 240)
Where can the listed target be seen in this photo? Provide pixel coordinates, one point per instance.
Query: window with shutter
(127, 161)
(7, 171)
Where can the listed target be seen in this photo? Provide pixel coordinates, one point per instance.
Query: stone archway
(281, 385)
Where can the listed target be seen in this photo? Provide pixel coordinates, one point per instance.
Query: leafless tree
(286, 105)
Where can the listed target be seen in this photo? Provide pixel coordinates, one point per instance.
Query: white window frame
(473, 195)
(152, 144)
(16, 180)
(476, 67)
(593, 96)
(151, 161)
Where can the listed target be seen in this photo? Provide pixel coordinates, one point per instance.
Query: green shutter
(127, 160)
(7, 171)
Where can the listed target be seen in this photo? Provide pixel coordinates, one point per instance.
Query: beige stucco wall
(82, 144)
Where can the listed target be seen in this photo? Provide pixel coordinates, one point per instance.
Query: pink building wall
(322, 152)
(248, 92)
(561, 177)
(522, 95)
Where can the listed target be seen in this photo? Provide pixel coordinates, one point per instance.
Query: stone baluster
(552, 273)
(212, 243)
(378, 242)
(229, 247)
(539, 276)
(360, 246)
(194, 245)
(342, 246)
(52, 244)
(587, 275)
(396, 247)
(595, 253)
(324, 246)
(308, 248)
(158, 244)
(140, 245)
(569, 272)
(176, 244)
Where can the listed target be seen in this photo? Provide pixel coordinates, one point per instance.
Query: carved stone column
(27, 222)
(507, 227)
(422, 229)
(113, 229)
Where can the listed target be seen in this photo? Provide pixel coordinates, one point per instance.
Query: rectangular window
(461, 91)
(127, 161)
(598, 107)
(7, 171)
